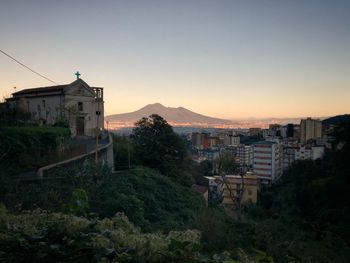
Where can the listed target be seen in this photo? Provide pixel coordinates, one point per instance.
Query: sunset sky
(223, 58)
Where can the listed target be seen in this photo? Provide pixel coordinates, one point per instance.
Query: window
(80, 106)
(250, 192)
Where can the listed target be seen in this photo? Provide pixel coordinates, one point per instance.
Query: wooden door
(80, 125)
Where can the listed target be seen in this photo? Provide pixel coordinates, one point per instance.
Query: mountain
(175, 116)
(337, 119)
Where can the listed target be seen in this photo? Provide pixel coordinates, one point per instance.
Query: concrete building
(76, 104)
(292, 153)
(235, 187)
(232, 139)
(254, 131)
(290, 130)
(208, 154)
(244, 155)
(288, 155)
(310, 129)
(267, 161)
(215, 187)
(228, 137)
(200, 140)
(307, 152)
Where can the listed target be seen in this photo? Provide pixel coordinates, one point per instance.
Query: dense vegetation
(305, 217)
(150, 200)
(32, 145)
(41, 236)
(141, 215)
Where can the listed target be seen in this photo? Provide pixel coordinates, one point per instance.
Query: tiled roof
(200, 189)
(51, 88)
(40, 89)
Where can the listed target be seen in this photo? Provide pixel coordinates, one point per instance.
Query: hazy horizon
(233, 119)
(226, 59)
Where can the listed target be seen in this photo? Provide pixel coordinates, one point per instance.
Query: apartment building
(267, 161)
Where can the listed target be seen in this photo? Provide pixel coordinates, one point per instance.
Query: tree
(123, 152)
(156, 145)
(226, 164)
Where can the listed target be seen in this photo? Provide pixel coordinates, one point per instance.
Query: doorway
(80, 126)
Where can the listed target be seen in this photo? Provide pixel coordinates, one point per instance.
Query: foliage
(41, 236)
(149, 199)
(30, 144)
(199, 170)
(123, 152)
(56, 188)
(307, 214)
(226, 164)
(13, 116)
(79, 203)
(213, 224)
(156, 145)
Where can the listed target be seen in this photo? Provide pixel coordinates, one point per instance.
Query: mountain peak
(173, 115)
(156, 104)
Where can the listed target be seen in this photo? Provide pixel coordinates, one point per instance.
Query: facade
(244, 155)
(254, 131)
(200, 140)
(229, 137)
(208, 154)
(310, 129)
(267, 161)
(215, 188)
(288, 155)
(232, 140)
(237, 186)
(290, 130)
(292, 153)
(77, 104)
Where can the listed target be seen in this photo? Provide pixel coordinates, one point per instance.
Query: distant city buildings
(265, 152)
(244, 155)
(290, 130)
(254, 131)
(298, 151)
(310, 129)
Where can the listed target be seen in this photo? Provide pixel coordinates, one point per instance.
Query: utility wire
(37, 73)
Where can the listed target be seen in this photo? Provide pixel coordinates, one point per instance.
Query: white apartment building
(267, 161)
(301, 152)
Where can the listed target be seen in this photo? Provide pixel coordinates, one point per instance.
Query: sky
(223, 58)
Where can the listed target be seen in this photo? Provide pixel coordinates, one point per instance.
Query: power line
(23, 65)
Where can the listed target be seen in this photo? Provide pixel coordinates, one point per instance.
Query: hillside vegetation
(147, 215)
(24, 148)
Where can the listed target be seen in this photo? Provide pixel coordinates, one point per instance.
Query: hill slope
(173, 115)
(337, 119)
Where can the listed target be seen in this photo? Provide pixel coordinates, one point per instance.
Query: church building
(77, 105)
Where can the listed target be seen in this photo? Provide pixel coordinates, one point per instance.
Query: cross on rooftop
(77, 74)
